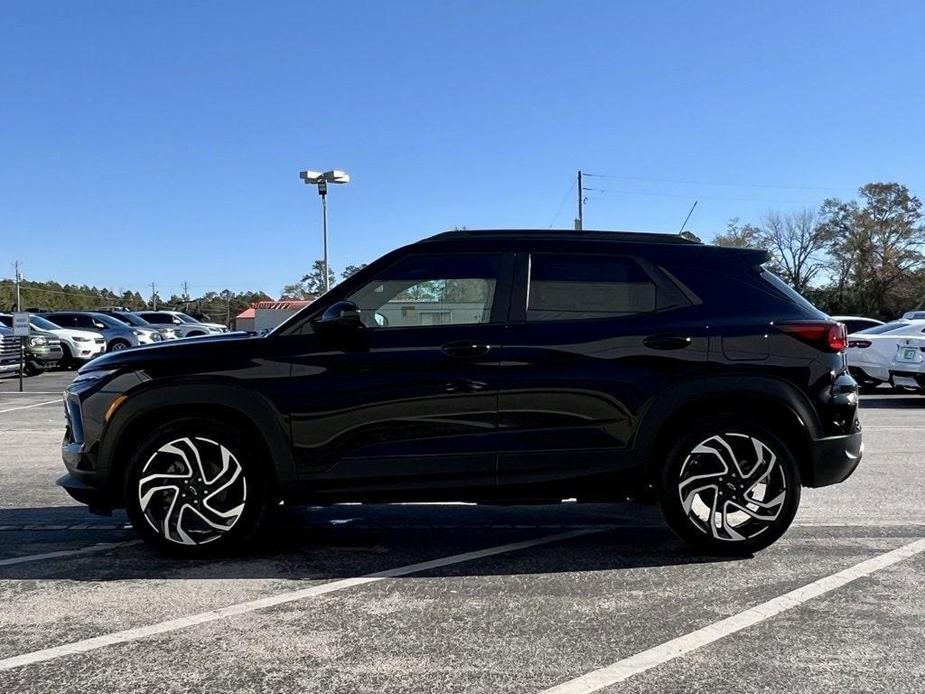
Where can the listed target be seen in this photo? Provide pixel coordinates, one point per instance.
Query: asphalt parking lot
(456, 598)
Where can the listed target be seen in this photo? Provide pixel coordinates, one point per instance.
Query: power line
(565, 198)
(699, 197)
(720, 183)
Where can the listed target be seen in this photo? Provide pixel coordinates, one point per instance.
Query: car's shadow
(893, 401)
(318, 544)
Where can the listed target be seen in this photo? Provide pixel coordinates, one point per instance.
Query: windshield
(885, 328)
(186, 319)
(7, 321)
(108, 321)
(129, 318)
(43, 323)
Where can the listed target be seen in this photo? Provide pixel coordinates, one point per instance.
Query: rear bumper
(834, 459)
(910, 378)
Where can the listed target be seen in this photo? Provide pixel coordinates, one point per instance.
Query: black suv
(490, 366)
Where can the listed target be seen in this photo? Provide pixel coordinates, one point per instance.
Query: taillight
(860, 344)
(825, 335)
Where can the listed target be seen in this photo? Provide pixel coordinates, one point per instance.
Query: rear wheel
(729, 487)
(195, 488)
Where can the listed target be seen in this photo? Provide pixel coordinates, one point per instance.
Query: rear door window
(582, 287)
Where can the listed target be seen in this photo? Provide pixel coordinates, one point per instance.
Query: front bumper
(833, 459)
(83, 493)
(85, 351)
(82, 481)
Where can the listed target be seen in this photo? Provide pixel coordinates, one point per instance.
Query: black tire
(118, 345)
(216, 515)
(32, 370)
(730, 464)
(195, 333)
(67, 360)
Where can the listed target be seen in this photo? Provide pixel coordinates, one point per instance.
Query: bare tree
(739, 236)
(797, 244)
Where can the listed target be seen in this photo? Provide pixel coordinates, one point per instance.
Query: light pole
(316, 178)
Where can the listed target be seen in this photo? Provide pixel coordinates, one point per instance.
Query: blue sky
(161, 141)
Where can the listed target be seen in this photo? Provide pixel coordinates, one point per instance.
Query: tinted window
(86, 322)
(158, 318)
(6, 321)
(584, 286)
(430, 290)
(785, 289)
(65, 320)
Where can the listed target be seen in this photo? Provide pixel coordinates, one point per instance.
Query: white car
(871, 352)
(79, 346)
(908, 367)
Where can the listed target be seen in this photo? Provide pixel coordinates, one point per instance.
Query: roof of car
(564, 234)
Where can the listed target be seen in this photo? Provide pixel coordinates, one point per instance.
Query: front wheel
(729, 487)
(195, 488)
(118, 345)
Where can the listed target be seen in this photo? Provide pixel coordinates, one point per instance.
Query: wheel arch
(773, 404)
(248, 412)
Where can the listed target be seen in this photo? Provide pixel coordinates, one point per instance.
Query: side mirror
(341, 314)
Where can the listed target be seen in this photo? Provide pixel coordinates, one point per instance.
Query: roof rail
(583, 235)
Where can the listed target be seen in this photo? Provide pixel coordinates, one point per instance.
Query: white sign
(21, 324)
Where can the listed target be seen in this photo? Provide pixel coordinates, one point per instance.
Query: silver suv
(183, 325)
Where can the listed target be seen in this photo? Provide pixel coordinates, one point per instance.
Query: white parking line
(665, 652)
(29, 407)
(66, 553)
(30, 392)
(243, 607)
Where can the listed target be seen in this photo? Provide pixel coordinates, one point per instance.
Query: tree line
(861, 256)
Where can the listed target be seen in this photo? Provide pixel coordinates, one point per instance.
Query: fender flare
(671, 402)
(145, 400)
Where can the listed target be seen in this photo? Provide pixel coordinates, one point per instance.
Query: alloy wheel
(192, 491)
(732, 487)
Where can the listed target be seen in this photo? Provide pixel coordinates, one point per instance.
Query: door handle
(464, 349)
(666, 342)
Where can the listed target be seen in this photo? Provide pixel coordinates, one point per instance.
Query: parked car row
(71, 338)
(889, 353)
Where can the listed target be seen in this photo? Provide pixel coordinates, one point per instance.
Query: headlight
(36, 341)
(81, 339)
(94, 375)
(136, 331)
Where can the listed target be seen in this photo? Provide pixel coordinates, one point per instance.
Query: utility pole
(186, 291)
(579, 223)
(153, 297)
(323, 192)
(18, 281)
(22, 340)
